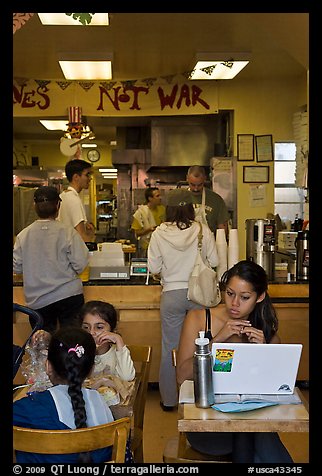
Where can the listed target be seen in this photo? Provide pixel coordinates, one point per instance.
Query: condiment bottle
(202, 373)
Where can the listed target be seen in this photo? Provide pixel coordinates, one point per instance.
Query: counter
(138, 306)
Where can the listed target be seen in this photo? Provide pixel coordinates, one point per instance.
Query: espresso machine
(260, 244)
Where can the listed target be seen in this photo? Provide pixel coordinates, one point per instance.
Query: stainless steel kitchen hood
(131, 156)
(180, 141)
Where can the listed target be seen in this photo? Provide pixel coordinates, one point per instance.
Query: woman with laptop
(247, 316)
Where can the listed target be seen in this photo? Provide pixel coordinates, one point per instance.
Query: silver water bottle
(202, 373)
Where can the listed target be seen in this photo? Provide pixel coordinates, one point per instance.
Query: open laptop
(255, 368)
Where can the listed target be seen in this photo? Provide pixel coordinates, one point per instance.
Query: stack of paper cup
(233, 248)
(222, 252)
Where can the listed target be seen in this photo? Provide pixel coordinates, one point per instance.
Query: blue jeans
(174, 306)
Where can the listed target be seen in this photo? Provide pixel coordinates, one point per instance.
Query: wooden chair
(141, 356)
(179, 450)
(75, 441)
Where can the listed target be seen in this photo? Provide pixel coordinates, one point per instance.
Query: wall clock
(93, 155)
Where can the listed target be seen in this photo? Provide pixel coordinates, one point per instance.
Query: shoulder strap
(200, 236)
(208, 324)
(203, 199)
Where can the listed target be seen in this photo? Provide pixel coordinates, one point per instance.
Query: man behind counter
(210, 207)
(72, 212)
(147, 217)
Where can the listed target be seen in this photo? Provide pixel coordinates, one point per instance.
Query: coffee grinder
(260, 244)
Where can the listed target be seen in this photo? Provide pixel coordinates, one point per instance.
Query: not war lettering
(188, 96)
(185, 96)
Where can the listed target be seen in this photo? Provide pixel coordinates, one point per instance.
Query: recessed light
(86, 70)
(54, 125)
(219, 65)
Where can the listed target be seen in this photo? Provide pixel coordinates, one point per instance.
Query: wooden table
(277, 418)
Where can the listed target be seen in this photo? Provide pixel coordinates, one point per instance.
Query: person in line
(67, 404)
(50, 256)
(72, 212)
(247, 315)
(172, 253)
(99, 318)
(147, 217)
(210, 207)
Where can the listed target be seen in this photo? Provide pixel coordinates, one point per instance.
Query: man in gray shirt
(50, 256)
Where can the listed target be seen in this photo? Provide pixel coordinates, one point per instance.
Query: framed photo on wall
(255, 174)
(245, 147)
(264, 148)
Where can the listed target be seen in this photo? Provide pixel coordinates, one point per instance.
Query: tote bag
(203, 286)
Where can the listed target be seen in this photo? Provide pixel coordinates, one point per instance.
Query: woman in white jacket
(172, 252)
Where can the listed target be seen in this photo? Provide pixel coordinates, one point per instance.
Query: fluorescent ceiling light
(219, 65)
(109, 176)
(107, 170)
(86, 69)
(89, 146)
(54, 125)
(63, 19)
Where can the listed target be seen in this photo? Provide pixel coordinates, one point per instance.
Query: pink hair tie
(78, 349)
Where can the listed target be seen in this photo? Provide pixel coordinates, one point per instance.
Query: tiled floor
(160, 425)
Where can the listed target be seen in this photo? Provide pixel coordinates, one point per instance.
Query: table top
(277, 418)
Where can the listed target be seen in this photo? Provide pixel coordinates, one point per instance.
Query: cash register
(139, 267)
(108, 262)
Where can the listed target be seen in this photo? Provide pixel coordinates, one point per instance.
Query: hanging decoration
(174, 94)
(76, 133)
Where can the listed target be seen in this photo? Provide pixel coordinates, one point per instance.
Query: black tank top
(208, 325)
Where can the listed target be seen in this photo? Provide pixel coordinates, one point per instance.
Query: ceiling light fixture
(89, 146)
(54, 125)
(86, 70)
(94, 66)
(108, 170)
(219, 65)
(109, 176)
(64, 19)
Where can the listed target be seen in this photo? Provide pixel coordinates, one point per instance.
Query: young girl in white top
(99, 318)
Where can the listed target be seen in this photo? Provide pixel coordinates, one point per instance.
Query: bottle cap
(202, 340)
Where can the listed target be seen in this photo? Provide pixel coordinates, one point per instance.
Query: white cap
(202, 340)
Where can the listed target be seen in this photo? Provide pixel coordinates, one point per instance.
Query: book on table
(186, 395)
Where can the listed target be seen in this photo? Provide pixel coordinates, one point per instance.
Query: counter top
(133, 281)
(140, 280)
(280, 292)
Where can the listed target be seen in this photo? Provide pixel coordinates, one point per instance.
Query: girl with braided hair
(66, 405)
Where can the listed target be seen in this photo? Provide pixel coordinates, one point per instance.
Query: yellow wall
(50, 155)
(260, 107)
